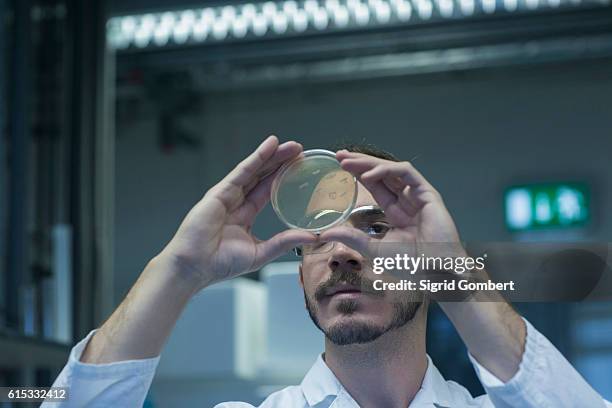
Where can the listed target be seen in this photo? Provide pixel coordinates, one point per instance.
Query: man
(375, 344)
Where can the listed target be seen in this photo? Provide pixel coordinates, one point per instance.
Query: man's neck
(387, 372)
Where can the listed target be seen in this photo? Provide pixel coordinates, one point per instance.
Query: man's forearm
(139, 327)
(493, 333)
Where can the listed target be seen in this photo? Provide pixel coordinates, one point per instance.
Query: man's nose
(345, 257)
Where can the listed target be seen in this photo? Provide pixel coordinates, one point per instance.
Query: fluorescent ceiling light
(270, 19)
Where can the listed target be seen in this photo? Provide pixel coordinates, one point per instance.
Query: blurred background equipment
(52, 168)
(116, 116)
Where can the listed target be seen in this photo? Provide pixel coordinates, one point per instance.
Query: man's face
(338, 288)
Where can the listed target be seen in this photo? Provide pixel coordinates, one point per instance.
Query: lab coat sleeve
(544, 379)
(119, 384)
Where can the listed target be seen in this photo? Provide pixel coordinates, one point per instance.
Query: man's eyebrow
(371, 212)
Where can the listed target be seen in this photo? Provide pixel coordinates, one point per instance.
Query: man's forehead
(364, 197)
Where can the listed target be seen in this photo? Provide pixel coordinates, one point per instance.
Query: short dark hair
(365, 148)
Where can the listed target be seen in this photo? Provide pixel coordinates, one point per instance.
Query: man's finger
(256, 199)
(345, 154)
(381, 193)
(395, 184)
(285, 152)
(279, 244)
(351, 237)
(267, 158)
(380, 168)
(404, 170)
(243, 173)
(358, 166)
(397, 208)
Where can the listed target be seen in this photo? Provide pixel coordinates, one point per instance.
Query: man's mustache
(348, 277)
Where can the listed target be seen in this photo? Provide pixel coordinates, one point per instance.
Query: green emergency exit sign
(543, 206)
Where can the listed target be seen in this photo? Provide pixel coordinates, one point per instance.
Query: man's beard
(360, 332)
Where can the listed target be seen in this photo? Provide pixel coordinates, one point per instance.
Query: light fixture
(260, 25)
(269, 19)
(467, 7)
(424, 9)
(200, 31)
(341, 16)
(382, 12)
(446, 8)
(510, 5)
(403, 9)
(488, 6)
(280, 23)
(320, 19)
(300, 21)
(239, 27)
(161, 35)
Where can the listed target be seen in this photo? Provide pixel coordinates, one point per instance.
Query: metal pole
(3, 185)
(17, 257)
(86, 33)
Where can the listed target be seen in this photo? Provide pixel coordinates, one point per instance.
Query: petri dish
(312, 192)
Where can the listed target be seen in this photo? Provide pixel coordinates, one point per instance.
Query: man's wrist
(493, 333)
(177, 274)
(141, 324)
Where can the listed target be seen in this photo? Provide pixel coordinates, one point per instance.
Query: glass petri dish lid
(312, 192)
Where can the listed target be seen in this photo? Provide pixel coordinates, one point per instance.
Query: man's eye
(377, 229)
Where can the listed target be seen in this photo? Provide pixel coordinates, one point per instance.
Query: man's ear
(301, 276)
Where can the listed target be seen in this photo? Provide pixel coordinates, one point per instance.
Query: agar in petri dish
(312, 192)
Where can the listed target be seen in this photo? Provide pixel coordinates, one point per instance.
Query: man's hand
(213, 243)
(409, 201)
(421, 222)
(493, 332)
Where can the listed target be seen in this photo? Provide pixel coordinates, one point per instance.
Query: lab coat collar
(321, 383)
